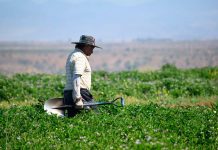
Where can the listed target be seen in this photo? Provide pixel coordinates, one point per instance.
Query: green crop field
(169, 108)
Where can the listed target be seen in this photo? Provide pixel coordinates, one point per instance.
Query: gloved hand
(79, 103)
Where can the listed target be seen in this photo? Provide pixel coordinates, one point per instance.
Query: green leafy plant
(163, 119)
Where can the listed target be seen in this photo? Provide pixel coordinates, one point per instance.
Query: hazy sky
(108, 20)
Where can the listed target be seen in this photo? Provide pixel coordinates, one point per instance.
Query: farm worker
(78, 74)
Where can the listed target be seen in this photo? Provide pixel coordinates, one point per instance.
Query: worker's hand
(79, 103)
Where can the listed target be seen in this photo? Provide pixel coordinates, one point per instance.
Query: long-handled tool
(56, 105)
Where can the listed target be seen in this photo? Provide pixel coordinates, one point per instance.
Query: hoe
(56, 105)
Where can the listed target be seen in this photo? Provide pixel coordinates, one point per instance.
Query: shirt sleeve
(76, 86)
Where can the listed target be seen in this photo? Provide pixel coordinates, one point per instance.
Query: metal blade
(51, 104)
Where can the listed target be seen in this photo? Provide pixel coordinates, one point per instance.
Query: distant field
(42, 57)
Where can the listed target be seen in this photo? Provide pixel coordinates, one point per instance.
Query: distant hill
(50, 57)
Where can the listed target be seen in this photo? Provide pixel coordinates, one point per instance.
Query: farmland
(169, 108)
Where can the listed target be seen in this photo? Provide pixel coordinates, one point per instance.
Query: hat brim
(86, 44)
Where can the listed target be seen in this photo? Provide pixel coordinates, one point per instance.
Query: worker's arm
(79, 67)
(76, 87)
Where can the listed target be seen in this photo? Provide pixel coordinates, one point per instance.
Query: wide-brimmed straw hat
(85, 39)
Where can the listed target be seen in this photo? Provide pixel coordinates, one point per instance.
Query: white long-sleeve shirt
(78, 72)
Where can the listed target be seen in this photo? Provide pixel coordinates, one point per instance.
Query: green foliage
(168, 82)
(148, 126)
(132, 127)
(21, 87)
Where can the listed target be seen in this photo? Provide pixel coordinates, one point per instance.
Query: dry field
(45, 57)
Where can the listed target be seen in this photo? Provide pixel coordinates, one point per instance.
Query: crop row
(167, 82)
(133, 127)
